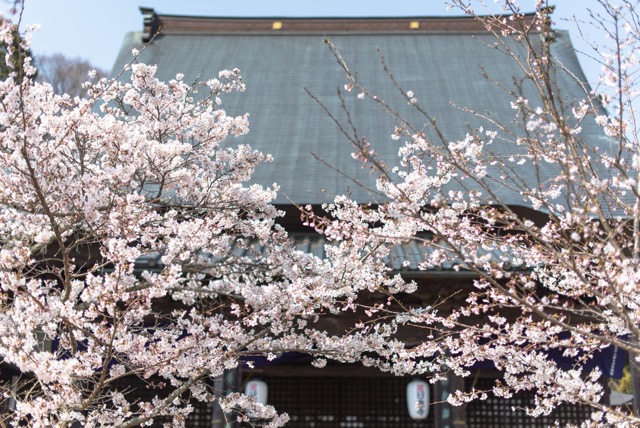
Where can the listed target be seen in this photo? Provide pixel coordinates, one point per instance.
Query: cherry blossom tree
(141, 170)
(132, 247)
(576, 245)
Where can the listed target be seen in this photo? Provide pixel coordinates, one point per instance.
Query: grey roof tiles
(443, 69)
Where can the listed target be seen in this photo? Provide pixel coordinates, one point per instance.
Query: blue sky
(94, 29)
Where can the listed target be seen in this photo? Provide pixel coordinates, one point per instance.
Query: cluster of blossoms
(89, 188)
(564, 281)
(140, 170)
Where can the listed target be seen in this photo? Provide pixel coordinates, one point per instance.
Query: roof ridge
(180, 24)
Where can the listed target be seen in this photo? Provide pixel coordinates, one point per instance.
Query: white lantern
(418, 399)
(258, 389)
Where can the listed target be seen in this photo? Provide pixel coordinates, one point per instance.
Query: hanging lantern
(258, 389)
(418, 399)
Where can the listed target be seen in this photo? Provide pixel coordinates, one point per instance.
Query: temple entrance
(340, 402)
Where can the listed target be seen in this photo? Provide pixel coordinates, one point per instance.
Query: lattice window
(498, 413)
(202, 415)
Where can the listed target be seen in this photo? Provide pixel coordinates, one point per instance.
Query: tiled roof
(444, 69)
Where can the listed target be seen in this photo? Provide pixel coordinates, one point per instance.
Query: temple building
(291, 77)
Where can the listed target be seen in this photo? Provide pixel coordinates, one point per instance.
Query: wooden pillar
(224, 385)
(218, 420)
(446, 415)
